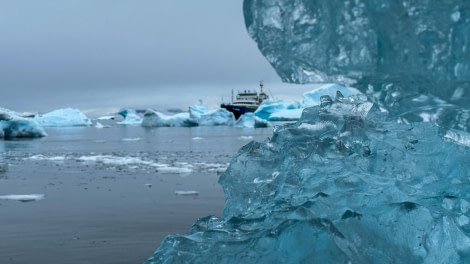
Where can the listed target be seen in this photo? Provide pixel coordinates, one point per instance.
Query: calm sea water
(110, 195)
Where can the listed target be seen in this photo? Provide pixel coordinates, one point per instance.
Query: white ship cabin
(250, 98)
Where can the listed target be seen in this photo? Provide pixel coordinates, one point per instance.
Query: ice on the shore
(13, 125)
(63, 118)
(22, 197)
(130, 117)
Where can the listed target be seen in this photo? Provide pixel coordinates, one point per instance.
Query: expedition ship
(246, 101)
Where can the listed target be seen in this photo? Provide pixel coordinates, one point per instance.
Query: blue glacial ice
(63, 118)
(211, 117)
(130, 117)
(281, 110)
(249, 120)
(198, 115)
(154, 118)
(217, 117)
(341, 185)
(409, 57)
(380, 176)
(13, 125)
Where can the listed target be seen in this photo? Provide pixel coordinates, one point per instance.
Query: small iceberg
(217, 117)
(249, 120)
(130, 117)
(12, 125)
(153, 118)
(63, 118)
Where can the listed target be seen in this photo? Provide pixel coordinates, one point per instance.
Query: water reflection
(3, 163)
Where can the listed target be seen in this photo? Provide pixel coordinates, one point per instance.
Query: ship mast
(261, 86)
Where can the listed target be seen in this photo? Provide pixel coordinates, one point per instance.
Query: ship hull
(238, 110)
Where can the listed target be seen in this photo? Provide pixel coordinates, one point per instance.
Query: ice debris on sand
(13, 125)
(63, 118)
(341, 185)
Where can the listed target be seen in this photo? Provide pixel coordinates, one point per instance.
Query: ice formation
(411, 57)
(196, 111)
(249, 120)
(217, 117)
(13, 125)
(280, 110)
(153, 118)
(205, 117)
(341, 185)
(130, 117)
(63, 118)
(198, 115)
(380, 176)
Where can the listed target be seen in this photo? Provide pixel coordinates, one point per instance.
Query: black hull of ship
(238, 110)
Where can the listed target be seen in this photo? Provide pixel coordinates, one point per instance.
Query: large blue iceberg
(380, 176)
(342, 185)
(408, 56)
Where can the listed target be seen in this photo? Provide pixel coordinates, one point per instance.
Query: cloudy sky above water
(111, 54)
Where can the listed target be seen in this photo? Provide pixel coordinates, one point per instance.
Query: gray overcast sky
(125, 53)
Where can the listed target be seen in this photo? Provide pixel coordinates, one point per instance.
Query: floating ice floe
(13, 125)
(100, 126)
(187, 193)
(130, 162)
(63, 118)
(131, 139)
(49, 158)
(22, 197)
